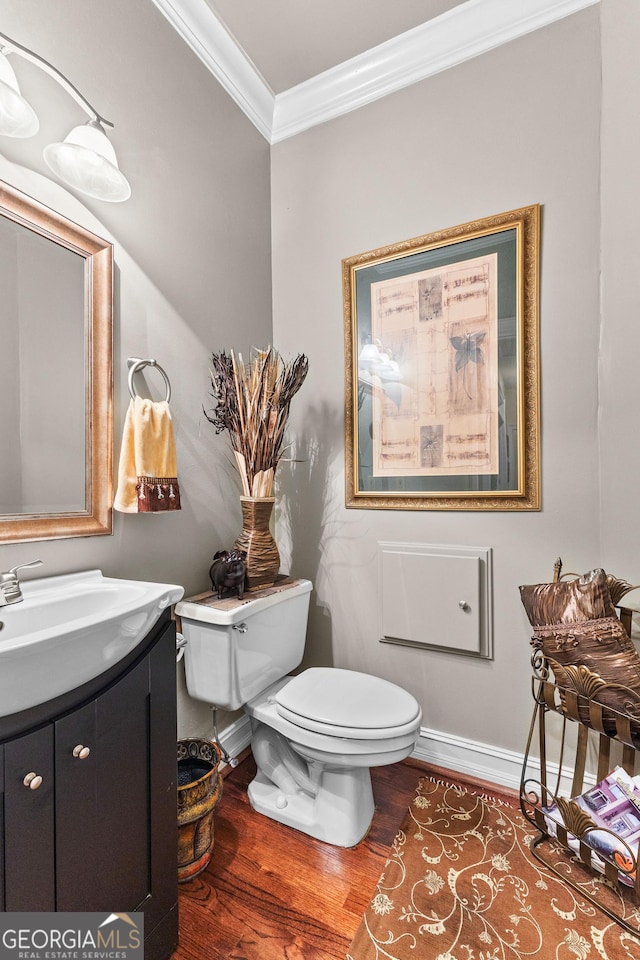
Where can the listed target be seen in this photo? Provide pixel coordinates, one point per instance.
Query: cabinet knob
(81, 752)
(32, 780)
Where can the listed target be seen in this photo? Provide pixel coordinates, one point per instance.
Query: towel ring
(135, 364)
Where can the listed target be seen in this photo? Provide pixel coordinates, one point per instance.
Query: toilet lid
(347, 703)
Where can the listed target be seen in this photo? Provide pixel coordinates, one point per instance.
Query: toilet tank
(235, 648)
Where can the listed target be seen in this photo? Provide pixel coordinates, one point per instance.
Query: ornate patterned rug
(461, 883)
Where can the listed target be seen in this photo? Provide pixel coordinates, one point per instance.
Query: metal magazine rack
(579, 741)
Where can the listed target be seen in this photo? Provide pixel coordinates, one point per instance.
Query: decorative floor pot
(199, 790)
(263, 559)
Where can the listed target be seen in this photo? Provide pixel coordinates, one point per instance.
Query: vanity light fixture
(17, 117)
(85, 159)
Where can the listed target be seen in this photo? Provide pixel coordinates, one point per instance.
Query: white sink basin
(69, 629)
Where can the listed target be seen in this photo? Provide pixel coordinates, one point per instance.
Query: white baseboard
(470, 758)
(486, 762)
(460, 755)
(236, 737)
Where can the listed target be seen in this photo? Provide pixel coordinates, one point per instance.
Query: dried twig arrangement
(252, 403)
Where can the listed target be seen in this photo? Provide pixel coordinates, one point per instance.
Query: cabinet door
(103, 799)
(29, 823)
(114, 805)
(163, 905)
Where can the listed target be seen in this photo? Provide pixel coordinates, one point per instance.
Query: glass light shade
(17, 117)
(87, 161)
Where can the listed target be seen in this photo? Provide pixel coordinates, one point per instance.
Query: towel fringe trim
(158, 494)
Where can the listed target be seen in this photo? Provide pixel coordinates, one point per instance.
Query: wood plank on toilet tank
(436, 596)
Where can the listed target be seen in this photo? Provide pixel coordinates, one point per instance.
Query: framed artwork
(441, 361)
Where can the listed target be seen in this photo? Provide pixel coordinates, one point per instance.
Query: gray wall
(526, 123)
(517, 126)
(620, 347)
(192, 253)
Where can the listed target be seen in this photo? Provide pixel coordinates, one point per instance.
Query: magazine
(614, 806)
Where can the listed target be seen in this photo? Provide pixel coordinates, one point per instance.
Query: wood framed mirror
(56, 283)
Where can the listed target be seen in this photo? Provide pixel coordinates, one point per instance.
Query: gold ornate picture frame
(442, 371)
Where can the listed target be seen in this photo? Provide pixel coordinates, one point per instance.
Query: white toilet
(314, 735)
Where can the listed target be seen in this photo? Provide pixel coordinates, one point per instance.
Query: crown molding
(201, 30)
(464, 32)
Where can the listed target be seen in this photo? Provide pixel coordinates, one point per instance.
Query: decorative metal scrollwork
(618, 588)
(575, 819)
(585, 682)
(539, 665)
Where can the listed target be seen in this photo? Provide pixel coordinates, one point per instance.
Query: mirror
(55, 374)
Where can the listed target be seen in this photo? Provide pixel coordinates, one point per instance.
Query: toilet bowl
(315, 735)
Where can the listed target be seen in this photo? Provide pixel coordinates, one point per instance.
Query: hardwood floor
(272, 893)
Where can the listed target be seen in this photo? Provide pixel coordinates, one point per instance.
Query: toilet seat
(328, 741)
(347, 704)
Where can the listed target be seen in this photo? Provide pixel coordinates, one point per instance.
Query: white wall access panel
(437, 597)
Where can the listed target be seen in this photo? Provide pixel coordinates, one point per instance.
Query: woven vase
(263, 558)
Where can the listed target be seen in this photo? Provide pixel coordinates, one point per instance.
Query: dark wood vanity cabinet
(99, 833)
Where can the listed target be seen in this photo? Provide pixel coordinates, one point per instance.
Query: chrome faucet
(10, 591)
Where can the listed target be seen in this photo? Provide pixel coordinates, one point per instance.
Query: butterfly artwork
(468, 350)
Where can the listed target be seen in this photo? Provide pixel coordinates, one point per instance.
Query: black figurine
(228, 572)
